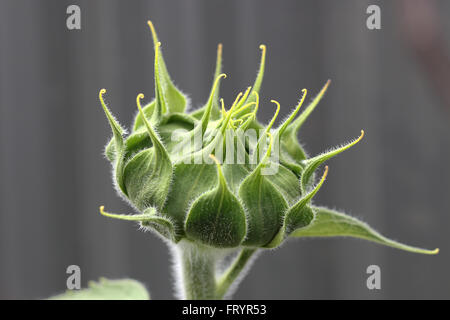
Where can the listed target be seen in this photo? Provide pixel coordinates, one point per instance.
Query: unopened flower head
(218, 177)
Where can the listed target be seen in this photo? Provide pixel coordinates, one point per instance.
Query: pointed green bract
(289, 142)
(252, 95)
(209, 105)
(219, 139)
(217, 218)
(160, 103)
(215, 111)
(281, 129)
(148, 174)
(259, 78)
(118, 144)
(331, 223)
(123, 289)
(148, 111)
(175, 100)
(189, 182)
(298, 216)
(285, 159)
(311, 164)
(115, 127)
(262, 140)
(265, 205)
(149, 219)
(287, 183)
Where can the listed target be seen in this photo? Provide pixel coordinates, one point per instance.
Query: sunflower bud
(218, 177)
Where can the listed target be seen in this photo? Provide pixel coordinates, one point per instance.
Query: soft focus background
(393, 83)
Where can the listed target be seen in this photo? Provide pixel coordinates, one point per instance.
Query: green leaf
(217, 218)
(265, 205)
(330, 223)
(289, 140)
(171, 96)
(311, 164)
(148, 219)
(123, 289)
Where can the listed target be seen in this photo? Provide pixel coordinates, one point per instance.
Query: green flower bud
(257, 197)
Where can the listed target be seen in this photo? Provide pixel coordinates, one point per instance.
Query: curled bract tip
(360, 137)
(276, 102)
(100, 95)
(304, 91)
(102, 210)
(138, 100)
(275, 115)
(220, 76)
(262, 47)
(435, 251)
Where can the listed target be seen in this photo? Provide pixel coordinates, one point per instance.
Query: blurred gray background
(393, 83)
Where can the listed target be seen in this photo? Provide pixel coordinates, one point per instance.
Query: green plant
(207, 209)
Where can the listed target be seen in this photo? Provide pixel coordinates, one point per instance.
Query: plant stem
(197, 268)
(198, 272)
(230, 275)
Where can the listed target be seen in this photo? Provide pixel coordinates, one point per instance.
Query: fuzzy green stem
(198, 272)
(230, 275)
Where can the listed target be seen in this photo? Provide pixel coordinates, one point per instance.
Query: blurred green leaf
(104, 289)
